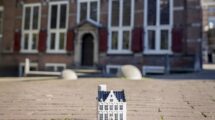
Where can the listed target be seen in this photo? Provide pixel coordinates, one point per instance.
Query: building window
(121, 17)
(121, 116)
(1, 23)
(30, 27)
(101, 107)
(88, 10)
(158, 25)
(106, 116)
(55, 67)
(113, 69)
(121, 107)
(111, 107)
(116, 107)
(116, 116)
(58, 22)
(33, 67)
(111, 116)
(106, 107)
(211, 22)
(100, 116)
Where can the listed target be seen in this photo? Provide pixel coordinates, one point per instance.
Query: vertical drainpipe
(167, 64)
(198, 56)
(185, 24)
(201, 47)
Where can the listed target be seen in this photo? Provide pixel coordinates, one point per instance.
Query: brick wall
(8, 27)
(187, 15)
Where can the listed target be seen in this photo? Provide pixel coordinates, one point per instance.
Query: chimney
(102, 87)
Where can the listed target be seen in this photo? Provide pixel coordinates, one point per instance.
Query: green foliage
(161, 117)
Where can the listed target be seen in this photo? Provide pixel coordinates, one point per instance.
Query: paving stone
(76, 100)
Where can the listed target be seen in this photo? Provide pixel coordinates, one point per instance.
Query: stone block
(130, 72)
(69, 75)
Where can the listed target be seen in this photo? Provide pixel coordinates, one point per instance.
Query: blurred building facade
(102, 34)
(208, 7)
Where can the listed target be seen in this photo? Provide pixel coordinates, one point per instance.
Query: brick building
(104, 34)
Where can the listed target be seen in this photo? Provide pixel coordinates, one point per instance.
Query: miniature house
(111, 104)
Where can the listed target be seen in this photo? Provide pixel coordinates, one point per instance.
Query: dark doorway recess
(87, 50)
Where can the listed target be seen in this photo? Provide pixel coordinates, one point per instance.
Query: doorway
(87, 50)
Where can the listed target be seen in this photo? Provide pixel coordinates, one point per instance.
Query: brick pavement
(76, 100)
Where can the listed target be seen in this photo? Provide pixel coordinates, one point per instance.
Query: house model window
(111, 104)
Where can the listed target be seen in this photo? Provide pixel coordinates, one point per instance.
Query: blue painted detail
(120, 95)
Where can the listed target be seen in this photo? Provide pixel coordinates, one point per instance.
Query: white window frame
(30, 32)
(157, 28)
(21, 65)
(88, 10)
(120, 29)
(101, 116)
(57, 30)
(113, 112)
(108, 67)
(55, 65)
(211, 19)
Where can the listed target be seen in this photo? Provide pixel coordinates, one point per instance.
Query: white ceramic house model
(111, 104)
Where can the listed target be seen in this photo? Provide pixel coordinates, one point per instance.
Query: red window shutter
(17, 41)
(177, 40)
(42, 41)
(103, 38)
(70, 41)
(137, 40)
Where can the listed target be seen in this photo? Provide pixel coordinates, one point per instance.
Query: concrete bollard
(69, 75)
(130, 72)
(27, 66)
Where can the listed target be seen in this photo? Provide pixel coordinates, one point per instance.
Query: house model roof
(120, 95)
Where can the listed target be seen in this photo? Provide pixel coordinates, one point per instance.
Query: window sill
(29, 51)
(55, 52)
(157, 52)
(120, 52)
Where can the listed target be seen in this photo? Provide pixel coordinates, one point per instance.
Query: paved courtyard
(155, 98)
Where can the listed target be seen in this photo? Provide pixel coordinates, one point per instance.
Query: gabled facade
(105, 34)
(111, 105)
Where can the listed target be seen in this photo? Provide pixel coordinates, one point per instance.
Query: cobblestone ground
(53, 99)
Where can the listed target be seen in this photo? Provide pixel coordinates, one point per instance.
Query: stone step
(88, 72)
